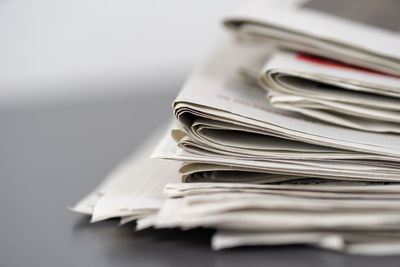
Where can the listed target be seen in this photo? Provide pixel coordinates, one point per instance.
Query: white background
(53, 49)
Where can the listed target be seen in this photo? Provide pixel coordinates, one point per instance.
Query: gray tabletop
(51, 156)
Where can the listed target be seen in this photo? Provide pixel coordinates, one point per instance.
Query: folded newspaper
(271, 146)
(358, 32)
(358, 87)
(333, 92)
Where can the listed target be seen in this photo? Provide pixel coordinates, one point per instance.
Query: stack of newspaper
(288, 133)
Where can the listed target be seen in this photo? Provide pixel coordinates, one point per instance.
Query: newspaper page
(364, 33)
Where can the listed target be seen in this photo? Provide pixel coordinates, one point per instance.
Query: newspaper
(134, 189)
(215, 92)
(245, 212)
(354, 211)
(327, 188)
(333, 92)
(211, 167)
(230, 127)
(353, 242)
(263, 176)
(265, 171)
(355, 37)
(359, 218)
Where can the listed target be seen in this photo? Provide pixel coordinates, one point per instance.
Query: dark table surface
(54, 154)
